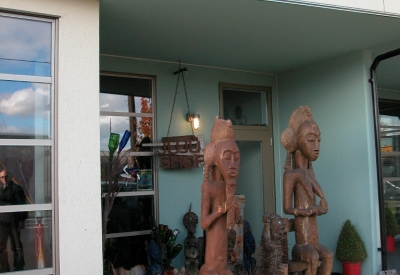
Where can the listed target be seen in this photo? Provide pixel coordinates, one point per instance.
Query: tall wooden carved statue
(219, 208)
(301, 140)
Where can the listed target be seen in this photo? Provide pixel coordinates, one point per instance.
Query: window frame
(152, 153)
(51, 142)
(247, 88)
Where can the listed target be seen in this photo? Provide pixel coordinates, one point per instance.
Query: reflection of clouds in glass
(23, 102)
(115, 103)
(13, 129)
(105, 106)
(118, 125)
(25, 39)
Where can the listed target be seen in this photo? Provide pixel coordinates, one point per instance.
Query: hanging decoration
(181, 151)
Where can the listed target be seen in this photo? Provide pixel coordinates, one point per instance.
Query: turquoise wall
(339, 95)
(179, 188)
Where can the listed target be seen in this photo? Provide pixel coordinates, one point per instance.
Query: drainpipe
(374, 85)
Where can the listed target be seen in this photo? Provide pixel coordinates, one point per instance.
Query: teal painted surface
(248, 184)
(179, 188)
(339, 95)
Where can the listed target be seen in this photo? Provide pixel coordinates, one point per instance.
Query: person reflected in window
(144, 162)
(13, 194)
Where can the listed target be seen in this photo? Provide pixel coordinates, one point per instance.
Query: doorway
(249, 109)
(389, 117)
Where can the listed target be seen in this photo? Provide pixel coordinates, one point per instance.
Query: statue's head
(190, 221)
(308, 139)
(302, 134)
(222, 152)
(278, 228)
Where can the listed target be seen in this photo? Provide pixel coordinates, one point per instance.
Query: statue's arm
(288, 189)
(290, 178)
(322, 208)
(207, 215)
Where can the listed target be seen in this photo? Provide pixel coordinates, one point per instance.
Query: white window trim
(53, 20)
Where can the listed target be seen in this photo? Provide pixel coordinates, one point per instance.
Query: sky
(25, 49)
(118, 124)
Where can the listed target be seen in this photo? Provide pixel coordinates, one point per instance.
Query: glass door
(249, 108)
(390, 150)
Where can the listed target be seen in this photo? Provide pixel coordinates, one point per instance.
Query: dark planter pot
(390, 243)
(351, 268)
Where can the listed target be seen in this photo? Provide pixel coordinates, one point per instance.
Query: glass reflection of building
(390, 150)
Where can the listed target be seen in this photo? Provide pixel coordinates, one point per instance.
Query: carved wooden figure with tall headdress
(219, 208)
(301, 140)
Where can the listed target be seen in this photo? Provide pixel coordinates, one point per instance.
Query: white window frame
(39, 142)
(153, 192)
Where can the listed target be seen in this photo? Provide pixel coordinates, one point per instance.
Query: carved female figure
(301, 140)
(219, 207)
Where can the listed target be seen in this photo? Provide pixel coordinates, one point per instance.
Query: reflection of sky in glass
(113, 124)
(24, 109)
(118, 103)
(25, 46)
(116, 124)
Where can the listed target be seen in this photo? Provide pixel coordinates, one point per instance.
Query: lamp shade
(196, 122)
(124, 140)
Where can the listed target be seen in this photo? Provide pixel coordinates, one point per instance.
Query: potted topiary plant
(392, 229)
(350, 249)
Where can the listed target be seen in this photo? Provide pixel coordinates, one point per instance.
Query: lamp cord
(173, 104)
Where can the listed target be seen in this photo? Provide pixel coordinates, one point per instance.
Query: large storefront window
(127, 104)
(390, 148)
(26, 143)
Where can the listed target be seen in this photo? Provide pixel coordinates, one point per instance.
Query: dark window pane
(245, 107)
(30, 168)
(28, 248)
(127, 252)
(131, 214)
(25, 110)
(25, 46)
(135, 87)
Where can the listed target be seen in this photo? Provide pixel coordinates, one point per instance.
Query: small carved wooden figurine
(191, 244)
(219, 208)
(274, 244)
(301, 140)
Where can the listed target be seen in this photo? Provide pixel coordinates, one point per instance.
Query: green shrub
(350, 247)
(392, 228)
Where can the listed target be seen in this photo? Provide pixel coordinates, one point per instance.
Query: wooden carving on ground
(219, 208)
(274, 248)
(302, 141)
(191, 244)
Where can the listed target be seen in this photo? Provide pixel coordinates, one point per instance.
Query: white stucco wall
(385, 6)
(78, 250)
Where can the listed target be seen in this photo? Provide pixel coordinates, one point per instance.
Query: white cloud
(24, 102)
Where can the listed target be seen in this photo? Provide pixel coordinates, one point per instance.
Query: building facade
(267, 57)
